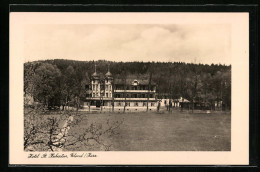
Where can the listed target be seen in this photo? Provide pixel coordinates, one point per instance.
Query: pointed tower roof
(108, 74)
(95, 73)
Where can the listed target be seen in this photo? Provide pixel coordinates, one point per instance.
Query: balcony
(99, 98)
(134, 91)
(135, 99)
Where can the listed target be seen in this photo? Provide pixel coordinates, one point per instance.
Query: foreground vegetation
(46, 130)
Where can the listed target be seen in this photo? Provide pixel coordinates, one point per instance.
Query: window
(119, 103)
(106, 94)
(136, 103)
(144, 104)
(152, 104)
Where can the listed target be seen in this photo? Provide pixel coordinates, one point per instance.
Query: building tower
(108, 83)
(95, 83)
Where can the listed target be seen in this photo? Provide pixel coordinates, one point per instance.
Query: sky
(206, 44)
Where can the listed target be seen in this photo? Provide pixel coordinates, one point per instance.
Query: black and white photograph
(90, 88)
(127, 88)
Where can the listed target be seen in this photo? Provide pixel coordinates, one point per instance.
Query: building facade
(130, 93)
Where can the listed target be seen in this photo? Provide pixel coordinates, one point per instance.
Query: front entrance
(98, 103)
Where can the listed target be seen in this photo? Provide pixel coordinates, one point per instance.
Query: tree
(44, 132)
(113, 95)
(29, 71)
(217, 86)
(226, 85)
(79, 89)
(45, 83)
(149, 88)
(124, 74)
(67, 86)
(194, 87)
(206, 93)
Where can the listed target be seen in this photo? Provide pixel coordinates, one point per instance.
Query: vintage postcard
(129, 88)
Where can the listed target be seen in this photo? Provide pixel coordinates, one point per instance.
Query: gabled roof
(141, 80)
(181, 100)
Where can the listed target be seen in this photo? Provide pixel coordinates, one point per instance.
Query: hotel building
(131, 93)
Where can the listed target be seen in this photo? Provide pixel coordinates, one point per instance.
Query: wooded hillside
(56, 82)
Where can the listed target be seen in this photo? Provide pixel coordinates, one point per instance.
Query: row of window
(129, 87)
(96, 86)
(134, 104)
(106, 95)
(134, 96)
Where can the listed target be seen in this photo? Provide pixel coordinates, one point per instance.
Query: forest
(62, 82)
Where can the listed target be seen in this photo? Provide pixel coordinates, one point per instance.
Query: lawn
(179, 131)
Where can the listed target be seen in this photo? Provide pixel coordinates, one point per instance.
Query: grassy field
(179, 131)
